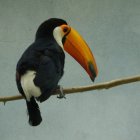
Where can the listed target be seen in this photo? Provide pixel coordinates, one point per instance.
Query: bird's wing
(47, 75)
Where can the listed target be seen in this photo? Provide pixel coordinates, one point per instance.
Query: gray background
(112, 30)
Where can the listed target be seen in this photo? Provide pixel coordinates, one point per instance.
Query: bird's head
(70, 41)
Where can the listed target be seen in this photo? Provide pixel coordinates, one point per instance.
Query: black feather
(46, 28)
(33, 112)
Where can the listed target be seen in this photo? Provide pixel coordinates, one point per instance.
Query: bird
(41, 66)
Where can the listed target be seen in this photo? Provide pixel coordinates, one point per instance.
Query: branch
(105, 85)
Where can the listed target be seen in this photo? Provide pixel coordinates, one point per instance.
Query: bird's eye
(65, 29)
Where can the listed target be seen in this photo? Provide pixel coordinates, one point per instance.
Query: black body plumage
(46, 58)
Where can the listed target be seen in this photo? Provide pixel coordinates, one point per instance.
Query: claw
(61, 93)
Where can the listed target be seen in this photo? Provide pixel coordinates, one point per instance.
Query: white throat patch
(58, 35)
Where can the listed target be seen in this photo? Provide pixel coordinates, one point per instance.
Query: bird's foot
(61, 92)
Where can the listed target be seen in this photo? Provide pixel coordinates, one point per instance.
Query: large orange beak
(76, 46)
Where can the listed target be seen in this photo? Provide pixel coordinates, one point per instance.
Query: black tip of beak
(92, 79)
(92, 71)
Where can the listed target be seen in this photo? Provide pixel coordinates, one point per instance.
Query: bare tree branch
(105, 85)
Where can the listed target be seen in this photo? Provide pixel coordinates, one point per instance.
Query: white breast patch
(28, 86)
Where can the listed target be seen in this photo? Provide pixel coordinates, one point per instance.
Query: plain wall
(112, 30)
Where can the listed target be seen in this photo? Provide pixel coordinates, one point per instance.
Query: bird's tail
(34, 112)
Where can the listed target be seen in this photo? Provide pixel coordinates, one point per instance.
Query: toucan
(41, 66)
